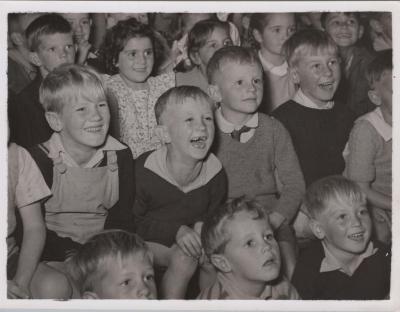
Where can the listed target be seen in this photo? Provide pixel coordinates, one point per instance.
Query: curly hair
(118, 36)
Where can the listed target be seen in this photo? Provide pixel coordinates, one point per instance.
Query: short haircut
(307, 42)
(48, 24)
(383, 61)
(215, 234)
(324, 16)
(68, 83)
(232, 54)
(88, 264)
(178, 96)
(332, 188)
(200, 33)
(118, 36)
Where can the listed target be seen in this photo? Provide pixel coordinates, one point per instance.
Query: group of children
(199, 168)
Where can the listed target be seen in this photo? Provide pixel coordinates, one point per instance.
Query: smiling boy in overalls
(89, 172)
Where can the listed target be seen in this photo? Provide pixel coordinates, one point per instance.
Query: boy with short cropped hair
(113, 264)
(89, 173)
(255, 149)
(346, 28)
(239, 241)
(344, 263)
(319, 127)
(51, 44)
(182, 182)
(369, 151)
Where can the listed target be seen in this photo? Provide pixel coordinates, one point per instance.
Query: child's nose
(143, 291)
(95, 114)
(327, 70)
(356, 221)
(266, 247)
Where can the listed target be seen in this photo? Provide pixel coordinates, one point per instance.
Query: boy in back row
(256, 150)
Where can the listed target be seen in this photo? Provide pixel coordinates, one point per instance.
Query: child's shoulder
(165, 79)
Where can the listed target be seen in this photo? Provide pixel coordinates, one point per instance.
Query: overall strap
(40, 154)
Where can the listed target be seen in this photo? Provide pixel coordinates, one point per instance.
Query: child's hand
(189, 241)
(15, 291)
(276, 220)
(83, 51)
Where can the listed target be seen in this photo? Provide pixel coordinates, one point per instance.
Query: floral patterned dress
(136, 117)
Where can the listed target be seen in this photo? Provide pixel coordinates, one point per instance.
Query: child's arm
(34, 233)
(360, 165)
(289, 174)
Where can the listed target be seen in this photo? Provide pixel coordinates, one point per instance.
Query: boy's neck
(79, 155)
(387, 114)
(235, 118)
(274, 59)
(346, 259)
(346, 53)
(250, 288)
(183, 171)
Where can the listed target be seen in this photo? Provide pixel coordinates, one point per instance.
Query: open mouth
(199, 142)
(327, 86)
(94, 129)
(270, 261)
(358, 237)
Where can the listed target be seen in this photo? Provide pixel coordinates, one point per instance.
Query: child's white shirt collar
(330, 262)
(280, 70)
(227, 127)
(157, 163)
(56, 149)
(303, 100)
(378, 122)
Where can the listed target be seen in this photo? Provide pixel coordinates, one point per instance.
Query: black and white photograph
(199, 155)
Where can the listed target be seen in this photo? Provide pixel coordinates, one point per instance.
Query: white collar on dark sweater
(227, 127)
(303, 100)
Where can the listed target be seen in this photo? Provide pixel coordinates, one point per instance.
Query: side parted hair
(88, 265)
(324, 17)
(332, 188)
(178, 96)
(214, 233)
(200, 33)
(70, 82)
(382, 61)
(307, 42)
(118, 36)
(47, 24)
(232, 54)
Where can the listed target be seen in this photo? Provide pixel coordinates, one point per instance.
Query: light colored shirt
(303, 100)
(227, 127)
(280, 70)
(157, 162)
(56, 149)
(331, 263)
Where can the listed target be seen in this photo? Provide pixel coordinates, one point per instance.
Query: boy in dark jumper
(319, 127)
(255, 149)
(51, 44)
(90, 174)
(345, 28)
(345, 263)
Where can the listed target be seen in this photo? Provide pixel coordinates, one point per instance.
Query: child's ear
(257, 35)
(294, 75)
(162, 133)
(195, 58)
(90, 295)
(34, 59)
(54, 121)
(221, 263)
(374, 97)
(317, 229)
(17, 39)
(214, 93)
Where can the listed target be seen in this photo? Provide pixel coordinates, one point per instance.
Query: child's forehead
(236, 67)
(340, 15)
(76, 16)
(244, 217)
(307, 52)
(197, 104)
(50, 39)
(277, 18)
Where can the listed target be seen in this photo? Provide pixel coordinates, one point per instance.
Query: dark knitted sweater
(319, 137)
(370, 281)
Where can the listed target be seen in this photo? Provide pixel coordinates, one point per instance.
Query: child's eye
(126, 282)
(69, 46)
(190, 119)
(363, 212)
(269, 237)
(213, 45)
(351, 22)
(342, 217)
(333, 62)
(102, 105)
(239, 82)
(257, 81)
(228, 42)
(276, 30)
(86, 22)
(250, 243)
(149, 277)
(52, 49)
(209, 118)
(148, 52)
(292, 30)
(80, 109)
